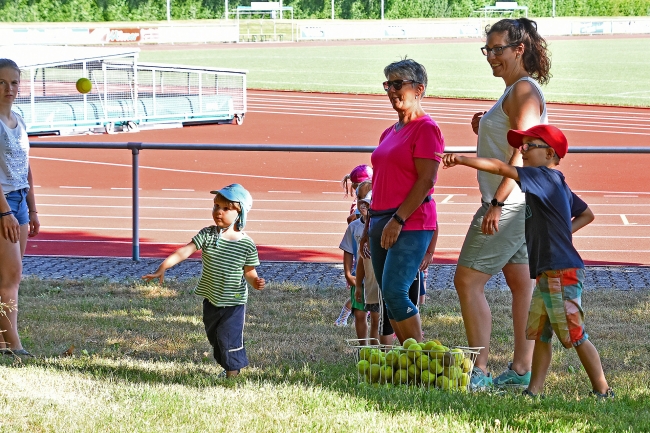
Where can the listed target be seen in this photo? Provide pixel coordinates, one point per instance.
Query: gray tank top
(492, 143)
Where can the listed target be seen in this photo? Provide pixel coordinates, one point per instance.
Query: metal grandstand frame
(126, 94)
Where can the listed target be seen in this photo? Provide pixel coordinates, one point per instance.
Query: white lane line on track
(207, 199)
(175, 170)
(447, 199)
(320, 247)
(625, 220)
(445, 112)
(444, 122)
(266, 232)
(201, 220)
(469, 106)
(318, 210)
(347, 212)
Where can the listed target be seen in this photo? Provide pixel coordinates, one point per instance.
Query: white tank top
(14, 156)
(492, 143)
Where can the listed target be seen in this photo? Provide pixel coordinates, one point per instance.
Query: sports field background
(586, 70)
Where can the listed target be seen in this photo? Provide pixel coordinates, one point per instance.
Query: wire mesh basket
(429, 364)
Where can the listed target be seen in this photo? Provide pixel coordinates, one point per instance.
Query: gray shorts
(490, 253)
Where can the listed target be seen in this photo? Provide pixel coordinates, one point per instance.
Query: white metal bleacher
(502, 8)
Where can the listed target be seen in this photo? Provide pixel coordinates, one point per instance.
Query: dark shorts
(18, 203)
(224, 327)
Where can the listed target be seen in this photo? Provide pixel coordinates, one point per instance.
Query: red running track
(84, 196)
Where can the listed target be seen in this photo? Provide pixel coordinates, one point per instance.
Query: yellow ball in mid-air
(84, 85)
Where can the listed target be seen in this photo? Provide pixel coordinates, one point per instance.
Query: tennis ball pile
(429, 364)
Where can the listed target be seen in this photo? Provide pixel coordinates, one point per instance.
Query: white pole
(553, 8)
(332, 9)
(382, 9)
(169, 14)
(226, 11)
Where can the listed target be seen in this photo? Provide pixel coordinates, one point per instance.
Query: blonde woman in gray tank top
(495, 241)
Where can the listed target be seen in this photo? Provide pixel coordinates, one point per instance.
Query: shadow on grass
(291, 341)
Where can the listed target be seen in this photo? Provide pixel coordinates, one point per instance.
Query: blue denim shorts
(18, 202)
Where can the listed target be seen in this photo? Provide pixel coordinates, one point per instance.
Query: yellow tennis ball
(84, 85)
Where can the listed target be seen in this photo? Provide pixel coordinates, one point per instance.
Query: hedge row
(155, 10)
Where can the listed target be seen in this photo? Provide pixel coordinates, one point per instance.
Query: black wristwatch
(399, 219)
(495, 203)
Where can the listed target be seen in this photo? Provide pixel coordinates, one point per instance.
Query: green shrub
(155, 10)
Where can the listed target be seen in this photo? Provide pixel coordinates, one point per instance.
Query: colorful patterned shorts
(556, 306)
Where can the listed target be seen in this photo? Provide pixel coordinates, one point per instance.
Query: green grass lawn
(141, 363)
(587, 70)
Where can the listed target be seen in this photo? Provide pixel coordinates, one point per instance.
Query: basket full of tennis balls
(428, 364)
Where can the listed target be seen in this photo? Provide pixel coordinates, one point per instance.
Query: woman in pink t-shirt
(403, 213)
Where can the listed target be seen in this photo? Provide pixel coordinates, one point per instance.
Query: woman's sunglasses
(397, 84)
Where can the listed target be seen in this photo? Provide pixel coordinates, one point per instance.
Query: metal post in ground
(135, 242)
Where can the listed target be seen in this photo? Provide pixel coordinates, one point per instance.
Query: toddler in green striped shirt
(229, 258)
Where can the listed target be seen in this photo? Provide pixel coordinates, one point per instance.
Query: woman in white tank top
(18, 215)
(495, 241)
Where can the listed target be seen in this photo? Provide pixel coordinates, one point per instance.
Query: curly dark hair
(536, 57)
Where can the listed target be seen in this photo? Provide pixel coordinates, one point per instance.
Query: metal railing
(136, 147)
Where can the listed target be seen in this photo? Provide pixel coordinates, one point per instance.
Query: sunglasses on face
(527, 146)
(497, 51)
(397, 84)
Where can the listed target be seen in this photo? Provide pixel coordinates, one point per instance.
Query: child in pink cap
(350, 183)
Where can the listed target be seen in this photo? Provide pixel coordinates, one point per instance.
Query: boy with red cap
(553, 214)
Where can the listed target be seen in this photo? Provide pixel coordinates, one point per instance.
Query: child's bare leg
(374, 326)
(591, 362)
(361, 323)
(232, 373)
(542, 354)
(386, 340)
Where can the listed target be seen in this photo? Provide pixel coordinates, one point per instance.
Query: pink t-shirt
(394, 168)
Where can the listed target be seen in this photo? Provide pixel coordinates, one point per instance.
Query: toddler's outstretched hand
(259, 283)
(160, 274)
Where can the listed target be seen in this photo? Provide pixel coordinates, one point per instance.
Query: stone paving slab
(311, 274)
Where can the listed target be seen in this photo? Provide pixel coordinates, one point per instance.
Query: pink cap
(360, 173)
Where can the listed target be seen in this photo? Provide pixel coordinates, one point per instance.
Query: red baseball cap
(549, 133)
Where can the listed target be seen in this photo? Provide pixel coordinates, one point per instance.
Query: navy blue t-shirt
(550, 207)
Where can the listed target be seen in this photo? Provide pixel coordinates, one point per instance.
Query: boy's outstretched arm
(250, 274)
(174, 258)
(489, 165)
(582, 220)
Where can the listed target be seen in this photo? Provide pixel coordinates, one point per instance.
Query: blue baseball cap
(237, 194)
